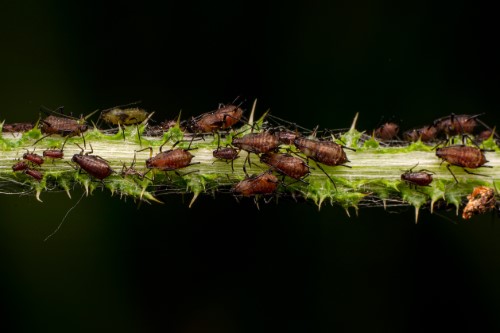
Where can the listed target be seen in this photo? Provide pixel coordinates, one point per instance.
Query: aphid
(63, 125)
(53, 153)
(481, 200)
(228, 154)
(131, 171)
(258, 143)
(33, 158)
(17, 127)
(418, 178)
(286, 164)
(462, 156)
(387, 131)
(457, 124)
(94, 165)
(265, 183)
(425, 134)
(35, 174)
(121, 116)
(169, 160)
(20, 166)
(226, 116)
(325, 152)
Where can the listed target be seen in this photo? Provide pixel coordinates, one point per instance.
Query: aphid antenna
(281, 120)
(330, 178)
(121, 106)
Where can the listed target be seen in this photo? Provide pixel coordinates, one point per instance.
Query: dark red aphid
(387, 131)
(462, 156)
(53, 153)
(265, 183)
(17, 127)
(286, 164)
(35, 174)
(258, 143)
(20, 166)
(94, 165)
(425, 134)
(223, 118)
(484, 135)
(421, 178)
(33, 158)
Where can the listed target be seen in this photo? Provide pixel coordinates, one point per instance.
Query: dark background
(228, 267)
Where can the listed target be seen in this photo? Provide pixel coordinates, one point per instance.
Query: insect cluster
(286, 153)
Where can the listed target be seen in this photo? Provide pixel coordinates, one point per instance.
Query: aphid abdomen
(227, 153)
(170, 160)
(417, 178)
(128, 116)
(20, 166)
(35, 174)
(33, 158)
(93, 165)
(53, 153)
(229, 115)
(265, 183)
(258, 143)
(463, 156)
(286, 164)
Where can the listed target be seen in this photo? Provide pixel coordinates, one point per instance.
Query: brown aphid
(20, 166)
(265, 183)
(228, 154)
(35, 174)
(286, 164)
(94, 165)
(170, 160)
(387, 131)
(53, 153)
(456, 124)
(17, 127)
(258, 143)
(131, 171)
(462, 156)
(62, 126)
(223, 118)
(325, 152)
(481, 200)
(33, 158)
(417, 178)
(425, 134)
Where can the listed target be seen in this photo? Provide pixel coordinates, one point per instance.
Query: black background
(224, 266)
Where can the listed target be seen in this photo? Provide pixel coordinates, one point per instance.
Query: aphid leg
(448, 167)
(43, 137)
(477, 174)
(138, 135)
(150, 151)
(321, 168)
(164, 143)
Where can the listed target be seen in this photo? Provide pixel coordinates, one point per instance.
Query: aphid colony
(284, 149)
